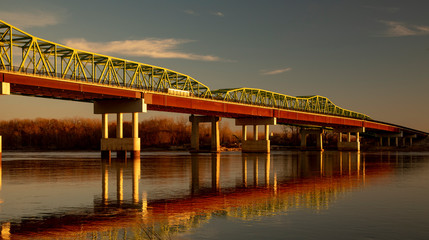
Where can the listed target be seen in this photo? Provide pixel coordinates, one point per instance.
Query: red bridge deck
(88, 92)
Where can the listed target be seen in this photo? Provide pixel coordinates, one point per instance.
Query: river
(178, 195)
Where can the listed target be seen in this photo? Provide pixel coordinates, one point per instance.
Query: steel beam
(120, 106)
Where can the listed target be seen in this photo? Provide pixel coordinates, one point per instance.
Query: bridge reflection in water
(263, 185)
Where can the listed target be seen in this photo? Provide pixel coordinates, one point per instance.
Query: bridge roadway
(42, 86)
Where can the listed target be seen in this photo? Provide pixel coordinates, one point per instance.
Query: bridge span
(35, 67)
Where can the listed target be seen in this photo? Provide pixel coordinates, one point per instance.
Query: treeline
(51, 134)
(85, 134)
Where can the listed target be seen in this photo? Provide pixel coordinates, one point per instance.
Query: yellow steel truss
(260, 97)
(43, 57)
(38, 56)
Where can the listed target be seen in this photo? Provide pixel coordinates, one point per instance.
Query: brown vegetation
(49, 134)
(85, 134)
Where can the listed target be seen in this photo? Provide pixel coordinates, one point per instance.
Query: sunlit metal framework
(317, 104)
(22, 52)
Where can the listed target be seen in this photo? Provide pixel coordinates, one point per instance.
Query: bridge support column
(105, 154)
(135, 154)
(4, 88)
(255, 145)
(119, 144)
(195, 136)
(215, 143)
(389, 137)
(410, 137)
(349, 145)
(319, 139)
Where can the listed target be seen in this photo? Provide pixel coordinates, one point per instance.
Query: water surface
(177, 195)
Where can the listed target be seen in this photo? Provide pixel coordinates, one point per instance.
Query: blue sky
(367, 56)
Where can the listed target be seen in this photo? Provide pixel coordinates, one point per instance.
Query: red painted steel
(64, 88)
(82, 91)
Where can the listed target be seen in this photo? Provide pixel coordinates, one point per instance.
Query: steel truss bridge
(37, 67)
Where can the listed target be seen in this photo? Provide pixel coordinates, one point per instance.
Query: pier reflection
(118, 166)
(256, 159)
(218, 184)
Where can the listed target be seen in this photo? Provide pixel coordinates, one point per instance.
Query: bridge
(36, 67)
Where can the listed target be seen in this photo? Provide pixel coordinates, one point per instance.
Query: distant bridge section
(317, 104)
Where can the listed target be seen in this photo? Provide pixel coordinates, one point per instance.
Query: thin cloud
(275, 72)
(219, 14)
(190, 12)
(30, 19)
(400, 29)
(150, 47)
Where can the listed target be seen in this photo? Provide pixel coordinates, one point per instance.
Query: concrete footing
(349, 145)
(255, 145)
(120, 144)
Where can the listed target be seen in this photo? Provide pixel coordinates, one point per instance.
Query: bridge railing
(24, 53)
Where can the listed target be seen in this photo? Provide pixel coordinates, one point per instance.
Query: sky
(370, 56)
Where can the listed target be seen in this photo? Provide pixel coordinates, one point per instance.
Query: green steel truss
(317, 104)
(22, 52)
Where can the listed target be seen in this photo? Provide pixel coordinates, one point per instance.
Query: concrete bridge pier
(319, 140)
(256, 145)
(388, 137)
(4, 90)
(392, 139)
(410, 141)
(195, 136)
(119, 144)
(349, 145)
